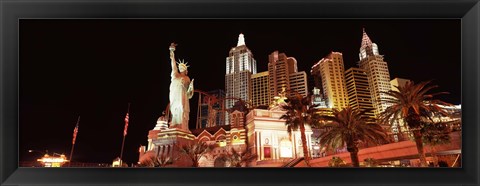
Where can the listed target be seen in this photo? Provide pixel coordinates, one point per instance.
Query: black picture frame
(11, 11)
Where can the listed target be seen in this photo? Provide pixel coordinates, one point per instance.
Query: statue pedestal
(168, 142)
(174, 134)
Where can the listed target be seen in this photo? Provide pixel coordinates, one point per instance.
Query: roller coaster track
(206, 94)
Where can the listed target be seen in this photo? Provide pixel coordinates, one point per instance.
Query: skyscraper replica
(377, 73)
(240, 65)
(283, 75)
(357, 90)
(260, 89)
(333, 80)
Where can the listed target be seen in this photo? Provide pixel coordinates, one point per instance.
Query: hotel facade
(377, 73)
(359, 96)
(240, 65)
(283, 75)
(331, 71)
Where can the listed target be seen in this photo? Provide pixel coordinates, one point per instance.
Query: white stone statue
(181, 90)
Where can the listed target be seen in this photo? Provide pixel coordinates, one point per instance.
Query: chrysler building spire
(241, 40)
(366, 40)
(368, 48)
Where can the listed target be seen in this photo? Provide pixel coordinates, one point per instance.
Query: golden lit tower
(333, 80)
(260, 89)
(283, 74)
(377, 73)
(240, 65)
(359, 96)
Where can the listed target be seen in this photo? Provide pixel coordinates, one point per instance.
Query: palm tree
(153, 161)
(435, 134)
(194, 151)
(147, 162)
(414, 105)
(238, 159)
(336, 162)
(351, 127)
(300, 112)
(370, 162)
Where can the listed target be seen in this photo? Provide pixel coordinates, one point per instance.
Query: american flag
(75, 131)
(126, 125)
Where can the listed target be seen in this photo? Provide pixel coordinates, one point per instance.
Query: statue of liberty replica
(181, 90)
(165, 141)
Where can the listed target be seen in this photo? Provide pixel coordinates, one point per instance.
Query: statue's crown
(182, 65)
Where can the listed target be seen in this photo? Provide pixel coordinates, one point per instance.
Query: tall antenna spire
(365, 39)
(241, 40)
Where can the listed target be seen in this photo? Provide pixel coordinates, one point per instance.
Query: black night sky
(94, 68)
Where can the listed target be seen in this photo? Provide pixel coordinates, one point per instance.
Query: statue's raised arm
(172, 59)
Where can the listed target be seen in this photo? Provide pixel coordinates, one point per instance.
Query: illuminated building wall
(283, 75)
(359, 96)
(240, 65)
(398, 82)
(315, 80)
(317, 77)
(333, 80)
(226, 138)
(317, 98)
(298, 82)
(377, 73)
(269, 139)
(260, 89)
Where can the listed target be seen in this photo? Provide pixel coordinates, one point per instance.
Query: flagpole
(121, 153)
(73, 144)
(123, 141)
(71, 152)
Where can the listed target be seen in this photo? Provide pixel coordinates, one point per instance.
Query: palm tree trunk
(306, 155)
(195, 163)
(354, 157)
(194, 159)
(433, 152)
(418, 140)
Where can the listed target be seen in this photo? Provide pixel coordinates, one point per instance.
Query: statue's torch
(172, 47)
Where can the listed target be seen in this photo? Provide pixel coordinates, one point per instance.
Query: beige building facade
(269, 139)
(333, 80)
(359, 96)
(260, 89)
(377, 73)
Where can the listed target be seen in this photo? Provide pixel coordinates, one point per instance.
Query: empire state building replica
(240, 65)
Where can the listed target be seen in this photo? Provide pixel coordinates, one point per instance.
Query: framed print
(233, 93)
